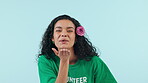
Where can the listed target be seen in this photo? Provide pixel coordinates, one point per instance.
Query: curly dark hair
(83, 48)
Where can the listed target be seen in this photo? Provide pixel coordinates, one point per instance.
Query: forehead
(64, 24)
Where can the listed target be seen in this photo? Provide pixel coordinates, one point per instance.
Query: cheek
(56, 36)
(73, 38)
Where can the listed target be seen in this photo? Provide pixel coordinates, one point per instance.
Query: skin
(64, 30)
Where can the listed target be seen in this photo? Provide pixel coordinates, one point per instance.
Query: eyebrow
(70, 27)
(67, 27)
(58, 27)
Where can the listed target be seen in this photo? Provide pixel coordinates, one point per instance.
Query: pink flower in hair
(80, 31)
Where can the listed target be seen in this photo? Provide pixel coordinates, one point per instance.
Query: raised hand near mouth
(63, 54)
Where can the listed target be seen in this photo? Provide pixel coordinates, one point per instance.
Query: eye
(70, 31)
(58, 30)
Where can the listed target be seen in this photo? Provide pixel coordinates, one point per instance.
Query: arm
(64, 55)
(63, 72)
(47, 74)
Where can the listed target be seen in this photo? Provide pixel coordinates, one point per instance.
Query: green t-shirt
(93, 71)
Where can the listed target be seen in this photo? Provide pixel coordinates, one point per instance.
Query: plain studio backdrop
(118, 28)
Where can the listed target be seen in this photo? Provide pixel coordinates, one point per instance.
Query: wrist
(64, 61)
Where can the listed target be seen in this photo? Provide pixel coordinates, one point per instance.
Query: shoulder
(43, 59)
(96, 59)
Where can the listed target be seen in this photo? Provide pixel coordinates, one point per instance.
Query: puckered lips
(63, 41)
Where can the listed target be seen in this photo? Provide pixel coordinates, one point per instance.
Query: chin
(63, 46)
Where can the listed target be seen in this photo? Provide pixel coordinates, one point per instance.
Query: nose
(64, 34)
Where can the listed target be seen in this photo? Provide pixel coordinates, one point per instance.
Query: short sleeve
(102, 73)
(46, 73)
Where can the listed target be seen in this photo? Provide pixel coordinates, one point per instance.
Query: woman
(67, 56)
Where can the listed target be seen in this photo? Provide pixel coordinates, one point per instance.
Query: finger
(63, 52)
(55, 51)
(68, 52)
(60, 52)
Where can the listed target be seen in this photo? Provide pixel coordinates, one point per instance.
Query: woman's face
(64, 34)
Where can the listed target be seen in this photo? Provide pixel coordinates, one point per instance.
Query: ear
(52, 39)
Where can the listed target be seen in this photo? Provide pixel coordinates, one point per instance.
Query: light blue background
(119, 28)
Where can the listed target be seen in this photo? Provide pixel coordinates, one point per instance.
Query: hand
(63, 54)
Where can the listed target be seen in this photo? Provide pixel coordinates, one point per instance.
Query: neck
(73, 59)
